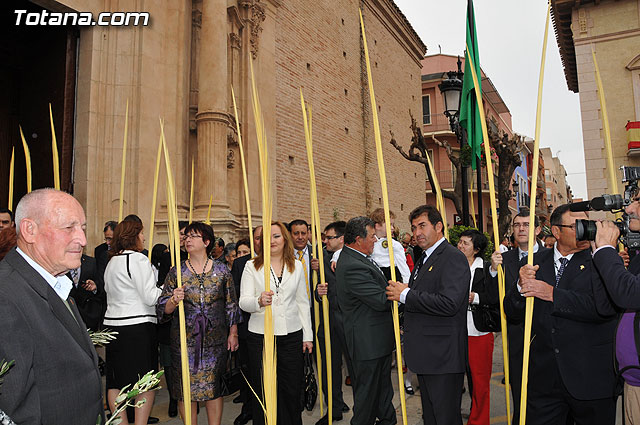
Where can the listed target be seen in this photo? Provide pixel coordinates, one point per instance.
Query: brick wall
(326, 59)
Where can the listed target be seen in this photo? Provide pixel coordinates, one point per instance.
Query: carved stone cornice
(255, 17)
(235, 41)
(196, 18)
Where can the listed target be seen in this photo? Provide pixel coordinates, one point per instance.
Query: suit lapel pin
(430, 268)
(581, 267)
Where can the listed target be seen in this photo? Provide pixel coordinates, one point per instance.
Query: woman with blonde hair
(289, 301)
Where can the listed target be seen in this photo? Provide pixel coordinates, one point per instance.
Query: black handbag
(232, 378)
(486, 318)
(310, 384)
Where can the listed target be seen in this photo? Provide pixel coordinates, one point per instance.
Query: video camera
(586, 229)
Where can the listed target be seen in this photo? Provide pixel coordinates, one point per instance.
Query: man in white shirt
(55, 378)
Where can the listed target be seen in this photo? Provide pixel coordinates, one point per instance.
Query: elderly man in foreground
(55, 379)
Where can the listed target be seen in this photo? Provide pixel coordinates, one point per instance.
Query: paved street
(414, 410)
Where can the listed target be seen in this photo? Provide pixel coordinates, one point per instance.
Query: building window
(426, 109)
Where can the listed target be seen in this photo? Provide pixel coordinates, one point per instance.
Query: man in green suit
(368, 325)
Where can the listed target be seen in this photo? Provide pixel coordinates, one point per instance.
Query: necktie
(523, 254)
(563, 264)
(306, 275)
(374, 263)
(74, 276)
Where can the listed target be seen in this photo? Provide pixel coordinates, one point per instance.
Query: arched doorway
(37, 67)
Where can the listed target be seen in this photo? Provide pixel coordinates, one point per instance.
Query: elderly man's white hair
(32, 205)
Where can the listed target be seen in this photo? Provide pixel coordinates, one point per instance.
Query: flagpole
(471, 55)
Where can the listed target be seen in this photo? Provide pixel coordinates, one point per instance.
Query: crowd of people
(51, 292)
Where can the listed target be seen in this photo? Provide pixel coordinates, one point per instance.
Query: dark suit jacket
(55, 379)
(622, 285)
(368, 324)
(570, 339)
(236, 274)
(435, 313)
(91, 306)
(485, 286)
(102, 257)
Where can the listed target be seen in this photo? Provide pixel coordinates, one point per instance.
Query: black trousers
(290, 376)
(441, 397)
(373, 392)
(555, 406)
(243, 354)
(337, 349)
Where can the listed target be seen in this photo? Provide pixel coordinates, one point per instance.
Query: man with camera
(570, 370)
(622, 290)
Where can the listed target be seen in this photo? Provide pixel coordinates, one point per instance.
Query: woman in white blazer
(131, 299)
(289, 301)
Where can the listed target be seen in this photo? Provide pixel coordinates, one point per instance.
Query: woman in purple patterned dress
(211, 315)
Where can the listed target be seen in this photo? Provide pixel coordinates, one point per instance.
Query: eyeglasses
(570, 226)
(192, 236)
(332, 237)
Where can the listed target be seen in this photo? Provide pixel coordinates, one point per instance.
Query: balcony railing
(438, 123)
(447, 179)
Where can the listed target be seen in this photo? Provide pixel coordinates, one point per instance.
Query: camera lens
(585, 230)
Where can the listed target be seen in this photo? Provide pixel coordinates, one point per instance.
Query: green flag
(469, 113)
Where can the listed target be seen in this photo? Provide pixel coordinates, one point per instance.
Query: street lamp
(515, 186)
(451, 89)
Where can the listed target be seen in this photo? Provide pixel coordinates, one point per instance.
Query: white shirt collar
(429, 251)
(478, 263)
(355, 250)
(557, 256)
(61, 284)
(536, 246)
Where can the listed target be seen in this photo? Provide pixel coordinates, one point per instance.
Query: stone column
(212, 119)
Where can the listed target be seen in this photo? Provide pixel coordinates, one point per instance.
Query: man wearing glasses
(511, 262)
(571, 357)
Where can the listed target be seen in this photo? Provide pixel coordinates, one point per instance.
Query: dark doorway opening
(37, 67)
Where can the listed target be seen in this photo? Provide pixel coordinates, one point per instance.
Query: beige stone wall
(155, 69)
(612, 30)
